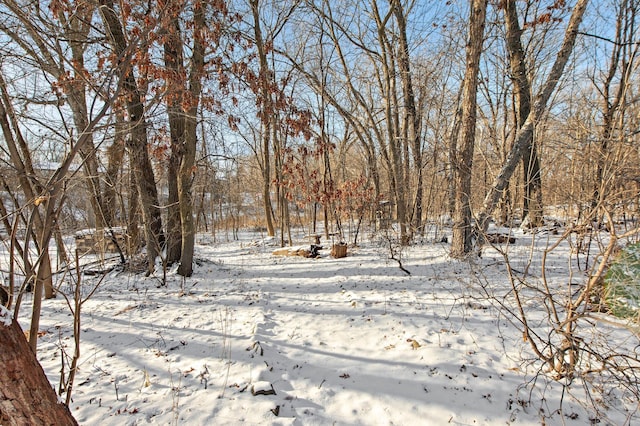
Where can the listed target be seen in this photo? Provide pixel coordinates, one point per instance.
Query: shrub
(622, 283)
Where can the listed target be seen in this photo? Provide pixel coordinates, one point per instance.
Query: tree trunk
(266, 111)
(532, 206)
(174, 62)
(461, 241)
(174, 226)
(396, 142)
(78, 105)
(26, 396)
(452, 155)
(115, 155)
(188, 160)
(185, 180)
(133, 215)
(145, 184)
(532, 213)
(137, 141)
(411, 120)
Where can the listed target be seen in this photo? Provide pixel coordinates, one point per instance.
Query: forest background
(157, 120)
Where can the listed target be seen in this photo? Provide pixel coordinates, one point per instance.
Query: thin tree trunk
(622, 61)
(532, 207)
(395, 139)
(115, 155)
(461, 241)
(411, 120)
(174, 62)
(137, 142)
(266, 112)
(452, 156)
(188, 160)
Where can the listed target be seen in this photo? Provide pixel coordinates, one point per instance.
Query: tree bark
(174, 227)
(174, 63)
(26, 396)
(461, 241)
(133, 215)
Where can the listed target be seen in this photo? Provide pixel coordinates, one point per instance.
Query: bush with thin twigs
(593, 355)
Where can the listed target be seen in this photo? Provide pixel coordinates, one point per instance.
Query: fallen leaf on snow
(414, 343)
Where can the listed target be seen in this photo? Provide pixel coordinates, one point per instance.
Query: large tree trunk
(26, 396)
(461, 241)
(174, 227)
(145, 183)
(185, 181)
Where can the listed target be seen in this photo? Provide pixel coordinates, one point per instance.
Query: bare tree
(411, 126)
(183, 112)
(57, 42)
(138, 138)
(614, 87)
(532, 208)
(267, 108)
(173, 46)
(45, 198)
(525, 133)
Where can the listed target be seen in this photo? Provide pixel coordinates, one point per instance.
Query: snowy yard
(254, 338)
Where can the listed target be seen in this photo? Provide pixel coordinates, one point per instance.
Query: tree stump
(339, 250)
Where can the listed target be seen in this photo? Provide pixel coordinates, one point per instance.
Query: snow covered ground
(258, 339)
